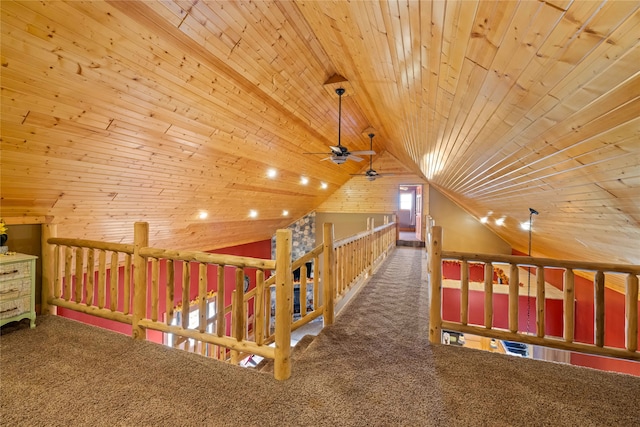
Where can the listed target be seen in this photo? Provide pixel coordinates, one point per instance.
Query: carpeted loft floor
(374, 367)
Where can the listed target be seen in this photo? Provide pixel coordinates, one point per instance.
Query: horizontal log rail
(228, 342)
(547, 262)
(209, 258)
(92, 244)
(92, 310)
(567, 342)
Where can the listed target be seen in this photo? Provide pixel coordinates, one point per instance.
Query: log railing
(126, 283)
(75, 284)
(356, 257)
(78, 278)
(436, 323)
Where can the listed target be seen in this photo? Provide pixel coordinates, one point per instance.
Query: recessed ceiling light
(484, 219)
(271, 173)
(304, 180)
(285, 213)
(500, 221)
(323, 185)
(253, 213)
(203, 215)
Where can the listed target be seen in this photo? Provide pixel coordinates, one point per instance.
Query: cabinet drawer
(15, 307)
(15, 270)
(13, 289)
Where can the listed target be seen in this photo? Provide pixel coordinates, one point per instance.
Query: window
(194, 322)
(406, 201)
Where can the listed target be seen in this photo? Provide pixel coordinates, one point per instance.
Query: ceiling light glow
(285, 213)
(253, 213)
(484, 219)
(323, 185)
(304, 180)
(525, 225)
(271, 173)
(203, 215)
(500, 221)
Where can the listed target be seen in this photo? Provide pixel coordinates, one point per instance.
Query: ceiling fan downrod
(340, 92)
(371, 135)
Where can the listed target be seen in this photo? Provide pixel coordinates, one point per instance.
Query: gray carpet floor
(373, 367)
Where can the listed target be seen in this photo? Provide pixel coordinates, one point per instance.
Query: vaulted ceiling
(115, 112)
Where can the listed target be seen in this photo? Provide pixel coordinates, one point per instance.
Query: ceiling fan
(339, 153)
(371, 174)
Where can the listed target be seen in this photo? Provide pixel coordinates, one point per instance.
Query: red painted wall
(552, 318)
(260, 249)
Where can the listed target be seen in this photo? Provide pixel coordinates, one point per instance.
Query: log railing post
(328, 281)
(598, 308)
(238, 316)
(220, 314)
(488, 295)
(371, 241)
(140, 240)
(568, 298)
(631, 313)
(170, 293)
(259, 309)
(395, 220)
(435, 283)
(48, 270)
(540, 299)
(284, 305)
(514, 297)
(464, 292)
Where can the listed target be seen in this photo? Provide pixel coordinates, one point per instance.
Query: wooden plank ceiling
(115, 112)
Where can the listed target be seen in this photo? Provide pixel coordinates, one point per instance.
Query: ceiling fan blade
(355, 158)
(364, 153)
(326, 158)
(336, 149)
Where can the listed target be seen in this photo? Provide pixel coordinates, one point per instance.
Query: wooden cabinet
(17, 288)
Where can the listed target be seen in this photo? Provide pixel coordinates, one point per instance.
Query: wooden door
(419, 212)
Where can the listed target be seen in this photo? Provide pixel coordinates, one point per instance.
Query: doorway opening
(410, 213)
